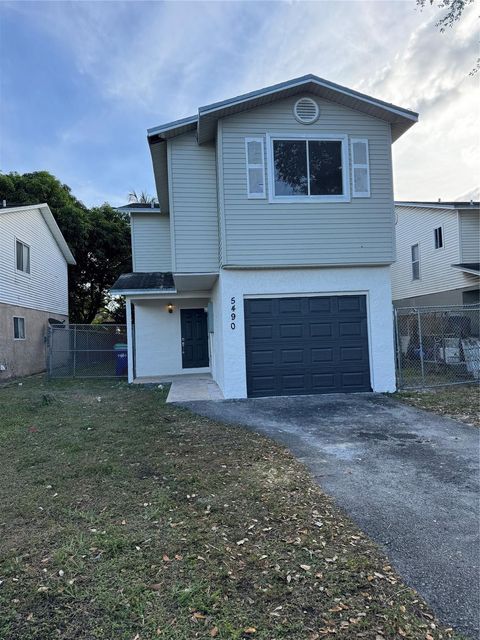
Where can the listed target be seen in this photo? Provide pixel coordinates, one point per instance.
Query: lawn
(125, 518)
(461, 402)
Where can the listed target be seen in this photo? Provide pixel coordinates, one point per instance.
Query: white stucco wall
(158, 337)
(374, 282)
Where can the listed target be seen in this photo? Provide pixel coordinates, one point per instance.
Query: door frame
(186, 310)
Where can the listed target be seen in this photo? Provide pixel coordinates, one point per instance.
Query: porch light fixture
(170, 307)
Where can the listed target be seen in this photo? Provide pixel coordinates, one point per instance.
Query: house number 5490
(232, 313)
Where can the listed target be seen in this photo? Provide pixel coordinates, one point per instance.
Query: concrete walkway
(187, 387)
(409, 479)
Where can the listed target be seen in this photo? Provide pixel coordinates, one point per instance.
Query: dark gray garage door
(306, 345)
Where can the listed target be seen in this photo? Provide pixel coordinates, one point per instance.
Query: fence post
(74, 350)
(420, 345)
(49, 352)
(399, 348)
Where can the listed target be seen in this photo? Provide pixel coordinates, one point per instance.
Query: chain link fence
(437, 346)
(87, 351)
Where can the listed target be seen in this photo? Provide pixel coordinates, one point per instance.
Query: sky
(81, 82)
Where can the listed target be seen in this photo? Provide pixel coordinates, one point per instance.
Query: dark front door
(194, 338)
(306, 345)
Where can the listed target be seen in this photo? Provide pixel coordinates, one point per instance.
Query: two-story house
(33, 286)
(438, 254)
(268, 260)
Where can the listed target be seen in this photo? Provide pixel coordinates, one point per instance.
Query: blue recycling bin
(121, 359)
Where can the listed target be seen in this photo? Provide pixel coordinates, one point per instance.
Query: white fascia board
(51, 224)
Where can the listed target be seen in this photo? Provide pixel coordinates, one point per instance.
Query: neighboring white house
(438, 254)
(268, 260)
(33, 286)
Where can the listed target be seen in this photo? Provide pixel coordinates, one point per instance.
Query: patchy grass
(461, 402)
(122, 517)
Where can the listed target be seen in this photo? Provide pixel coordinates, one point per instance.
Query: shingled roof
(151, 281)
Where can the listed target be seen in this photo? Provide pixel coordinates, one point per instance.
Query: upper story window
(438, 235)
(308, 168)
(360, 168)
(22, 256)
(255, 167)
(415, 262)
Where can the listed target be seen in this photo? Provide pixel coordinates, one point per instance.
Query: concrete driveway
(408, 478)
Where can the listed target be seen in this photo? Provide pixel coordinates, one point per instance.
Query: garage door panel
(290, 306)
(290, 330)
(353, 380)
(261, 331)
(292, 382)
(352, 354)
(321, 329)
(350, 328)
(323, 383)
(321, 354)
(306, 345)
(263, 357)
(319, 305)
(293, 356)
(351, 304)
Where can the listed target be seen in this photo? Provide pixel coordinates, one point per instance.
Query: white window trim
(412, 261)
(255, 196)
(27, 274)
(343, 138)
(440, 226)
(24, 328)
(360, 165)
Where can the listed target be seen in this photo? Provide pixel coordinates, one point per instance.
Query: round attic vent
(306, 111)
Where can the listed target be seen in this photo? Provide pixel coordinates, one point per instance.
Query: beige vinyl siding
(193, 202)
(151, 245)
(416, 225)
(260, 233)
(46, 286)
(469, 222)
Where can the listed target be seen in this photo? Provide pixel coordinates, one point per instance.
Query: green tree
(99, 238)
(143, 197)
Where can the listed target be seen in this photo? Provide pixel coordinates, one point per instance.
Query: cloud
(144, 63)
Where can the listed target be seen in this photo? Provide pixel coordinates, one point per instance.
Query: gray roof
(152, 281)
(471, 267)
(438, 204)
(139, 207)
(206, 121)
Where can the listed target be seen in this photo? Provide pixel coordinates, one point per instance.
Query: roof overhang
(460, 206)
(51, 224)
(205, 122)
(468, 267)
(145, 209)
(194, 281)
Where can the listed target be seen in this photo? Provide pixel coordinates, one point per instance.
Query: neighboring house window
(22, 257)
(255, 167)
(360, 168)
(415, 262)
(438, 232)
(309, 168)
(19, 328)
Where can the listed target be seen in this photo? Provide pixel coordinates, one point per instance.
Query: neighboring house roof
(468, 267)
(139, 207)
(144, 282)
(51, 224)
(205, 123)
(439, 205)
